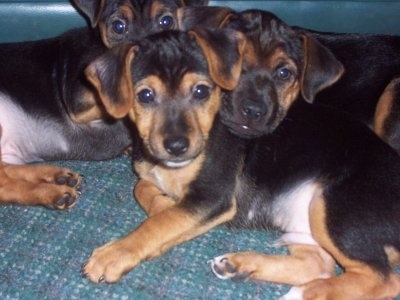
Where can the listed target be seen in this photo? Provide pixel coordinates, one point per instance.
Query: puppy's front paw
(68, 178)
(47, 185)
(108, 263)
(66, 184)
(225, 267)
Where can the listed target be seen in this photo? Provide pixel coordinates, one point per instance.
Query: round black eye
(145, 96)
(201, 92)
(119, 26)
(284, 73)
(166, 22)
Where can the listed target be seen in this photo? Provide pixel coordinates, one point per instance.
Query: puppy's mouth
(242, 130)
(174, 155)
(176, 163)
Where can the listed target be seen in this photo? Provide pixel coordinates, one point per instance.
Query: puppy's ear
(91, 8)
(210, 16)
(223, 49)
(110, 74)
(321, 69)
(195, 2)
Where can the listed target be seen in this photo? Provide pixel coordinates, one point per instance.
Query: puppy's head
(280, 65)
(122, 21)
(170, 85)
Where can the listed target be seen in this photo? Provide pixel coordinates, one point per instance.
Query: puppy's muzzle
(176, 145)
(253, 111)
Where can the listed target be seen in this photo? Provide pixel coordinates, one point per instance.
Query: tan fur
(126, 10)
(304, 264)
(158, 8)
(36, 185)
(168, 228)
(311, 267)
(151, 198)
(226, 81)
(383, 109)
(117, 107)
(311, 59)
(359, 281)
(91, 112)
(171, 183)
(393, 255)
(290, 91)
(151, 121)
(250, 57)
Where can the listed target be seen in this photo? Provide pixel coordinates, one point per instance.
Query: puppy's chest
(173, 182)
(284, 208)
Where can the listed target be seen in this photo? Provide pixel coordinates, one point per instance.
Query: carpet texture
(42, 250)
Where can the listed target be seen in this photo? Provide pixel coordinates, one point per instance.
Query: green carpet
(42, 250)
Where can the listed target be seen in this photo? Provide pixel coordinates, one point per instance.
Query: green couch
(33, 19)
(41, 251)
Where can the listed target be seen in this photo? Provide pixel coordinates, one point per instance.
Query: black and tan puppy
(370, 87)
(172, 96)
(122, 21)
(48, 110)
(320, 176)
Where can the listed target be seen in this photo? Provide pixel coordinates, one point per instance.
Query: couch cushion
(31, 20)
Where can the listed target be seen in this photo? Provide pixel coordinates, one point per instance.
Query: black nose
(253, 111)
(176, 145)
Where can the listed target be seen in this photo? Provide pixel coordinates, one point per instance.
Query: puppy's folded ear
(320, 70)
(223, 49)
(110, 74)
(91, 8)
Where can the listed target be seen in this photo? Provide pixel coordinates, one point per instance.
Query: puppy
(49, 111)
(369, 88)
(170, 85)
(129, 20)
(323, 178)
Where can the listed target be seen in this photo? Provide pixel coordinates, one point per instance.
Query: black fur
(359, 174)
(211, 194)
(172, 51)
(370, 61)
(46, 80)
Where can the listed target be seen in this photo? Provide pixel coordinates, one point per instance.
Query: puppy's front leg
(153, 237)
(151, 198)
(304, 264)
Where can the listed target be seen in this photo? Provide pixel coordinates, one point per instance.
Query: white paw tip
(295, 293)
